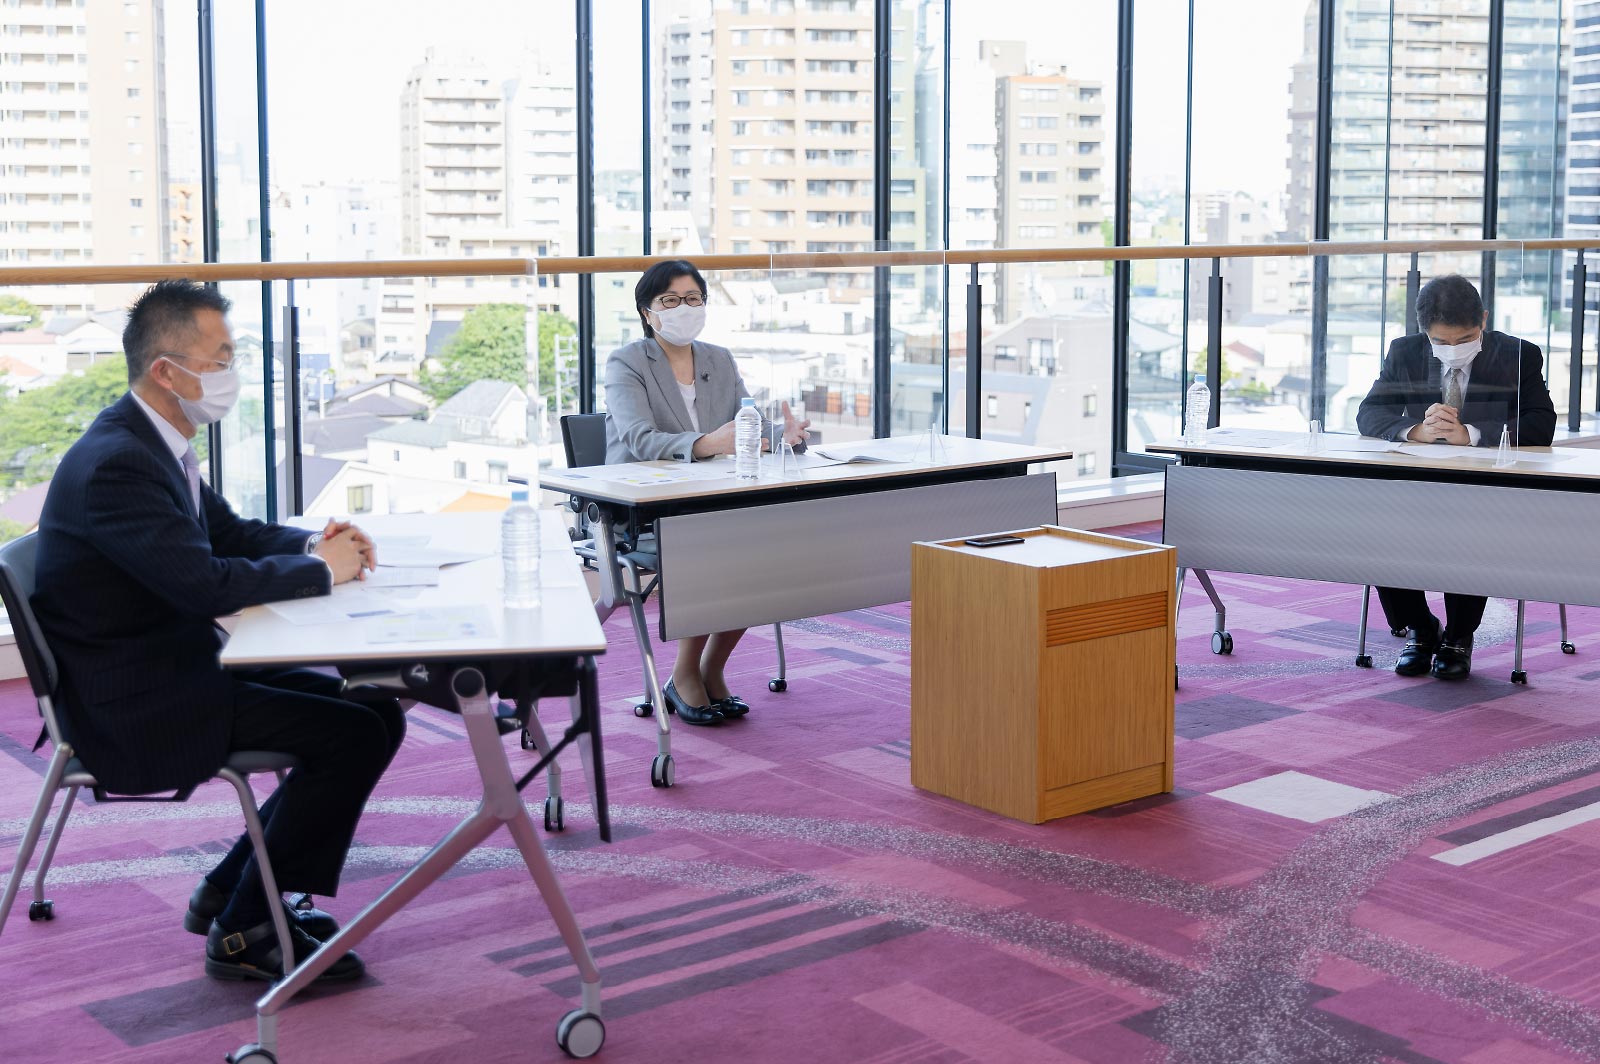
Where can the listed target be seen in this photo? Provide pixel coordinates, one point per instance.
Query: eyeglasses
(221, 366)
(671, 302)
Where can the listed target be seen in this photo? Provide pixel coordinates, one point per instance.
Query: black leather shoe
(687, 713)
(1417, 658)
(207, 903)
(731, 707)
(1454, 660)
(254, 954)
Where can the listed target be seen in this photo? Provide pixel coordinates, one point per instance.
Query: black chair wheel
(1364, 661)
(662, 771)
(42, 910)
(643, 709)
(527, 740)
(777, 686)
(1519, 677)
(1568, 648)
(554, 814)
(1221, 643)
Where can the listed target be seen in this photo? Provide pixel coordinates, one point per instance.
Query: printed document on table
(403, 576)
(441, 625)
(1336, 442)
(423, 557)
(347, 603)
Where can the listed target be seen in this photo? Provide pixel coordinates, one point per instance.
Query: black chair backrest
(17, 567)
(583, 437)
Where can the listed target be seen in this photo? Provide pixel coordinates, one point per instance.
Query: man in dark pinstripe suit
(136, 558)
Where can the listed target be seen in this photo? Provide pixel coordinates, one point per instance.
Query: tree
(490, 345)
(13, 304)
(37, 426)
(1197, 365)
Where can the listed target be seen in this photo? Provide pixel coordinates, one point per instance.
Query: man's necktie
(1452, 389)
(191, 471)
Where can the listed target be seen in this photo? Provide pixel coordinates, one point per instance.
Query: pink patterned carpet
(1354, 868)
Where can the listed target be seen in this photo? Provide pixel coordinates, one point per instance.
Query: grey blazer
(648, 421)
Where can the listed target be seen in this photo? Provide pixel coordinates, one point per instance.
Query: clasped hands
(349, 551)
(1441, 423)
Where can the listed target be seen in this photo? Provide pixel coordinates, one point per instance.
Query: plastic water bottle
(1197, 410)
(747, 440)
(519, 552)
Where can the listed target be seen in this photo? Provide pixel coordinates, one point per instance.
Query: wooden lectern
(1042, 672)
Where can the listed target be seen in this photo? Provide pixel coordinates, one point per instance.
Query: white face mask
(681, 324)
(218, 392)
(1457, 355)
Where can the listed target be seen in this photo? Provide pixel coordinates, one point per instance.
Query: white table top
(564, 623)
(646, 482)
(1534, 462)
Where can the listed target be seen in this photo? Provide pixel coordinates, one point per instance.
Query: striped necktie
(1452, 389)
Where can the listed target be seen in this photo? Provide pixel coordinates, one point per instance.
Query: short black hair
(1449, 300)
(163, 318)
(657, 279)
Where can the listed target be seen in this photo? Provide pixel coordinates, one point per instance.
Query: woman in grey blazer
(672, 396)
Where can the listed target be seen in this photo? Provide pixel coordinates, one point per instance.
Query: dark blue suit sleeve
(1383, 413)
(134, 520)
(233, 536)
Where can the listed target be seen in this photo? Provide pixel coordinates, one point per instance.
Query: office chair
(1364, 660)
(583, 438)
(66, 772)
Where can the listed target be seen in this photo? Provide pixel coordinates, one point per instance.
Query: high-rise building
(1050, 162)
(82, 146)
(452, 154)
(683, 165)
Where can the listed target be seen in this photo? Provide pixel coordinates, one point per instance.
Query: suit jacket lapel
(661, 370)
(705, 405)
(138, 423)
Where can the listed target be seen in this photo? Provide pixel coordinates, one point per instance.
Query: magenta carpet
(1354, 868)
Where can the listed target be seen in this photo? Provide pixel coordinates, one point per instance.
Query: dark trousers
(1406, 608)
(343, 748)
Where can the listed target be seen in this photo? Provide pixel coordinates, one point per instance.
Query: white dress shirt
(687, 391)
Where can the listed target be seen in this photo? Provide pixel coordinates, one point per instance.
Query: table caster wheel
(580, 1034)
(643, 709)
(1363, 661)
(778, 686)
(1399, 633)
(1520, 677)
(661, 771)
(1568, 648)
(42, 910)
(251, 1053)
(527, 740)
(1221, 643)
(554, 814)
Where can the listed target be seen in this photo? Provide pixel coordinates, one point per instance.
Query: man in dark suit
(1455, 382)
(137, 556)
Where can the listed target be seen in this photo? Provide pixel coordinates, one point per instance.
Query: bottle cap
(519, 495)
(747, 401)
(1199, 378)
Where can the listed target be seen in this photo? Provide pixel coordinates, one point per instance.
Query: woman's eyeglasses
(670, 302)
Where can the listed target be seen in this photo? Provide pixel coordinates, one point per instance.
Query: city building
(83, 155)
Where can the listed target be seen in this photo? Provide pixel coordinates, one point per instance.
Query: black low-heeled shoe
(687, 713)
(254, 954)
(731, 707)
(207, 903)
(1454, 660)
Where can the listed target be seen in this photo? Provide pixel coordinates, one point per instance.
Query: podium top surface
(1050, 547)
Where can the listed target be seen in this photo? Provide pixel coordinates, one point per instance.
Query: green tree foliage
(15, 304)
(491, 345)
(552, 325)
(37, 426)
(1198, 365)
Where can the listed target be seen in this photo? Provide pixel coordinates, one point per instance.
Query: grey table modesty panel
(1504, 542)
(758, 565)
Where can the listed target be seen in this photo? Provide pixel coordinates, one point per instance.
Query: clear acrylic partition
(445, 402)
(806, 336)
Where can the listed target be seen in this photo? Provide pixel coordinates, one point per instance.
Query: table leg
(1221, 638)
(1363, 659)
(501, 804)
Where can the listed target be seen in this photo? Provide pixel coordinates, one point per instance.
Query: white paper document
(341, 607)
(1336, 442)
(422, 557)
(403, 576)
(852, 459)
(440, 625)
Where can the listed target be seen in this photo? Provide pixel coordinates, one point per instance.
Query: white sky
(336, 69)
